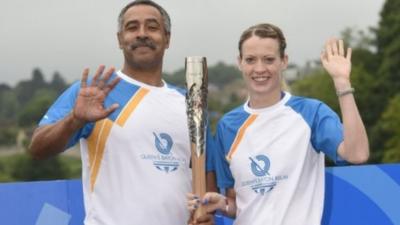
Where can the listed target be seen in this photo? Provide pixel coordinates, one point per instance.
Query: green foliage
(390, 124)
(177, 78)
(387, 76)
(21, 167)
(317, 85)
(367, 97)
(9, 103)
(36, 107)
(388, 44)
(8, 135)
(26, 89)
(218, 75)
(389, 26)
(363, 82)
(25, 104)
(222, 74)
(57, 83)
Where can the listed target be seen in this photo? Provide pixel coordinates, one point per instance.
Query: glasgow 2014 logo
(166, 161)
(263, 182)
(163, 143)
(260, 165)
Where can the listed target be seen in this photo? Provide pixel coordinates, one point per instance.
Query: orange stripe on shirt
(240, 135)
(96, 145)
(130, 107)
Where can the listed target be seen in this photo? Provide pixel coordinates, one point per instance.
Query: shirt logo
(260, 165)
(164, 160)
(263, 182)
(163, 143)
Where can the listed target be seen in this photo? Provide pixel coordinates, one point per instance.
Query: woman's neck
(263, 101)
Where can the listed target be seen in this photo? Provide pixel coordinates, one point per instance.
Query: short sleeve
(327, 133)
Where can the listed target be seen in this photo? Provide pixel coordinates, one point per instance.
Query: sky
(67, 36)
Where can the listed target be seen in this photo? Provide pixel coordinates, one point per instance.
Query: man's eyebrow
(152, 20)
(131, 22)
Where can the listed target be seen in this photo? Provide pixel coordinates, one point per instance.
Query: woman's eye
(269, 60)
(249, 60)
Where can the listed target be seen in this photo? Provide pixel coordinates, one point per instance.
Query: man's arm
(49, 140)
(211, 182)
(355, 147)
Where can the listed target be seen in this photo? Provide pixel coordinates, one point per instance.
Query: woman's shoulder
(301, 101)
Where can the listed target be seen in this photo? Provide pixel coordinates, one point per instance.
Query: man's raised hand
(89, 106)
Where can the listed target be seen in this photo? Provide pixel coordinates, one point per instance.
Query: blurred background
(45, 44)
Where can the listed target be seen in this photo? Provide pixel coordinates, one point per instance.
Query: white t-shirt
(135, 163)
(274, 159)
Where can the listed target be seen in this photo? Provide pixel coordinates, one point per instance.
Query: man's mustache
(143, 43)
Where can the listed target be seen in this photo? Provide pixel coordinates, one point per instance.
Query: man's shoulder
(178, 89)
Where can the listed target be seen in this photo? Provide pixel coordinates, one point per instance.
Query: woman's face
(262, 65)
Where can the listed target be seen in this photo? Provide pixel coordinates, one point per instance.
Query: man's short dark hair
(164, 14)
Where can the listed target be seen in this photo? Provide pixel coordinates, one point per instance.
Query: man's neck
(151, 77)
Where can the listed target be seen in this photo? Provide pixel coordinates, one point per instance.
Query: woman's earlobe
(239, 63)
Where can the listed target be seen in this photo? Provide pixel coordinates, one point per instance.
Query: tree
(390, 124)
(387, 77)
(317, 85)
(33, 111)
(388, 47)
(221, 74)
(8, 135)
(20, 167)
(58, 83)
(218, 75)
(10, 105)
(28, 169)
(4, 87)
(26, 89)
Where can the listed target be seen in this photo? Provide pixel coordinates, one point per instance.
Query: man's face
(142, 38)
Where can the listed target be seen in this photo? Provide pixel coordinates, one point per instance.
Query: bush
(21, 167)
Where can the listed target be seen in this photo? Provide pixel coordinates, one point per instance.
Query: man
(132, 129)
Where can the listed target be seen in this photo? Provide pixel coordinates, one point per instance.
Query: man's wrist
(226, 207)
(75, 123)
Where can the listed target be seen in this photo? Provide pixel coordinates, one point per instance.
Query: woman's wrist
(343, 92)
(342, 84)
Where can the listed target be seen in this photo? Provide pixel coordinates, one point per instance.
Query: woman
(271, 149)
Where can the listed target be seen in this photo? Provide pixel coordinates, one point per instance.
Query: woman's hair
(264, 30)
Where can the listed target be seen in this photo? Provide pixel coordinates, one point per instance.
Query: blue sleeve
(223, 172)
(327, 133)
(61, 108)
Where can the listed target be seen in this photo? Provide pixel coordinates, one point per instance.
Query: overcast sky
(66, 36)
